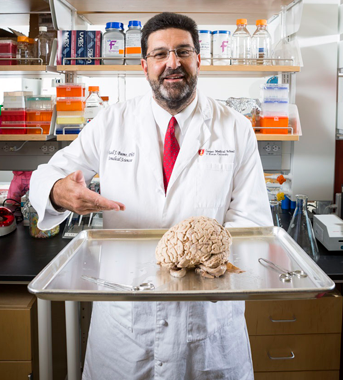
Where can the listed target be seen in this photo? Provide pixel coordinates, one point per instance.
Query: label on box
(93, 46)
(81, 46)
(64, 47)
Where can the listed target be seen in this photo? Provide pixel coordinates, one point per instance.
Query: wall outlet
(271, 154)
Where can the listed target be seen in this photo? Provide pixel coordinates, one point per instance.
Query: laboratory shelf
(234, 70)
(217, 12)
(26, 137)
(66, 137)
(28, 71)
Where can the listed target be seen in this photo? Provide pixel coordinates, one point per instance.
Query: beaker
(274, 208)
(300, 228)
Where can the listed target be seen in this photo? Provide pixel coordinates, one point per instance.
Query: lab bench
(310, 329)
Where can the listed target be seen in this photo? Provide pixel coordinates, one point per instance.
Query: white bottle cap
(43, 29)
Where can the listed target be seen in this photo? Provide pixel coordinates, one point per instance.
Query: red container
(11, 115)
(8, 49)
(13, 128)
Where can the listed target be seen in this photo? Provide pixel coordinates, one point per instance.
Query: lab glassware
(300, 228)
(275, 210)
(241, 44)
(261, 42)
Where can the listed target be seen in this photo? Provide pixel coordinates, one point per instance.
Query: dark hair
(168, 20)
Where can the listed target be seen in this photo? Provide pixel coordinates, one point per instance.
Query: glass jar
(23, 50)
(35, 231)
(274, 208)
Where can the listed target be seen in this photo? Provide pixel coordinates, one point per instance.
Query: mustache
(168, 72)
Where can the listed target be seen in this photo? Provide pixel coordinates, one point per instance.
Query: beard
(174, 95)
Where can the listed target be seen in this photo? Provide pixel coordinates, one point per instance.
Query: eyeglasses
(160, 55)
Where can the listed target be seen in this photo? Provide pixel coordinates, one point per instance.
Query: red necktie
(171, 150)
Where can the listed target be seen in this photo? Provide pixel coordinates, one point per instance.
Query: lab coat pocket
(213, 182)
(122, 314)
(207, 318)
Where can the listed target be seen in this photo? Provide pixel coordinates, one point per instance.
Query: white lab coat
(218, 173)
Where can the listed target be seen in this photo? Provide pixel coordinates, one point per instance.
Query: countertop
(22, 257)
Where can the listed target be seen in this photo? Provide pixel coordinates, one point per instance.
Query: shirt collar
(162, 117)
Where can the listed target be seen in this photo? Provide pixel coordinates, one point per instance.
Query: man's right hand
(71, 193)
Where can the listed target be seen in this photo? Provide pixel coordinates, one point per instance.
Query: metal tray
(128, 257)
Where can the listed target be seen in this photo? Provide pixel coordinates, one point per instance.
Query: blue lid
(115, 25)
(135, 23)
(275, 101)
(204, 31)
(221, 32)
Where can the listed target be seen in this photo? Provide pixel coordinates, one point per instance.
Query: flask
(274, 208)
(261, 43)
(43, 45)
(284, 53)
(241, 43)
(113, 43)
(300, 228)
(22, 50)
(94, 103)
(31, 51)
(133, 47)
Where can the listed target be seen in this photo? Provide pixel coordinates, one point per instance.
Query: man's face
(173, 80)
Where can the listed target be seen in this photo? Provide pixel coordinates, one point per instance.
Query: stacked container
(8, 49)
(275, 109)
(70, 106)
(14, 114)
(38, 114)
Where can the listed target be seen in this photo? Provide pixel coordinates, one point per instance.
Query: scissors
(285, 275)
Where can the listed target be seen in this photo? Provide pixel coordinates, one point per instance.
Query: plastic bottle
(105, 100)
(94, 103)
(241, 44)
(113, 43)
(261, 44)
(221, 47)
(133, 47)
(22, 50)
(205, 41)
(43, 46)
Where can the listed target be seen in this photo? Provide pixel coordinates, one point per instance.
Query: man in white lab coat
(162, 158)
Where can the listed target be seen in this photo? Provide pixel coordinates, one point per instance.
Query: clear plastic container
(15, 100)
(274, 117)
(205, 41)
(133, 47)
(71, 118)
(113, 44)
(38, 127)
(22, 50)
(13, 127)
(275, 92)
(241, 44)
(39, 102)
(70, 90)
(43, 45)
(261, 44)
(94, 103)
(70, 104)
(221, 42)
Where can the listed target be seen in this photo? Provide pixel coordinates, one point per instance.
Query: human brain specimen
(197, 242)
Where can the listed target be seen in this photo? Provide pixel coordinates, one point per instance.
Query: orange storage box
(271, 122)
(38, 127)
(38, 115)
(71, 90)
(70, 104)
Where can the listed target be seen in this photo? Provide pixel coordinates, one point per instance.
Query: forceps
(285, 275)
(113, 285)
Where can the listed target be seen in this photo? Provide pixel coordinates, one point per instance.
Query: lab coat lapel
(145, 133)
(198, 133)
